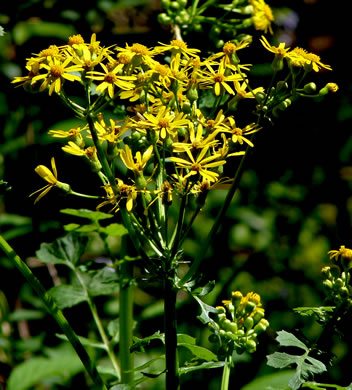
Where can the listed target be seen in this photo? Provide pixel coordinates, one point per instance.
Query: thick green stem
(126, 324)
(170, 324)
(55, 312)
(225, 381)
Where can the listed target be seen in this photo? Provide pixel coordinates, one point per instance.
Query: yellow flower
(57, 72)
(164, 122)
(241, 90)
(300, 57)
(73, 134)
(343, 251)
(238, 134)
(111, 132)
(137, 53)
(177, 47)
(138, 164)
(197, 141)
(220, 79)
(110, 79)
(33, 71)
(262, 16)
(200, 165)
(50, 177)
(280, 51)
(90, 153)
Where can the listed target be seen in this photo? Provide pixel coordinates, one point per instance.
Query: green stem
(126, 324)
(99, 325)
(211, 235)
(226, 373)
(55, 312)
(170, 325)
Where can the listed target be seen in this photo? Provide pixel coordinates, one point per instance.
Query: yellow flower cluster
(165, 128)
(239, 322)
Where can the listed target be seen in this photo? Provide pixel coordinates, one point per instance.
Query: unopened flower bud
(338, 283)
(249, 307)
(329, 87)
(251, 346)
(261, 326)
(343, 291)
(310, 88)
(248, 323)
(328, 284)
(236, 297)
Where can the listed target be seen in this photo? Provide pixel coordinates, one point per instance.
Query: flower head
(51, 178)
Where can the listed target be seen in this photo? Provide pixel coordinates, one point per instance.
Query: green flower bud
(281, 85)
(213, 338)
(251, 346)
(261, 326)
(192, 94)
(240, 333)
(338, 283)
(174, 5)
(249, 307)
(165, 4)
(182, 3)
(258, 315)
(328, 284)
(187, 107)
(248, 323)
(343, 291)
(310, 88)
(326, 273)
(329, 87)
(163, 18)
(236, 297)
(219, 44)
(260, 97)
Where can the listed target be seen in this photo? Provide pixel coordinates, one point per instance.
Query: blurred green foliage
(294, 203)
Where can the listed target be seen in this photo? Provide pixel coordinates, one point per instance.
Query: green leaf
(286, 339)
(66, 295)
(199, 352)
(102, 282)
(203, 366)
(320, 313)
(185, 338)
(89, 214)
(63, 362)
(114, 229)
(277, 380)
(139, 344)
(205, 310)
(64, 250)
(306, 365)
(75, 227)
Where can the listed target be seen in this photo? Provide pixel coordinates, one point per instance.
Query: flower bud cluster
(336, 278)
(238, 323)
